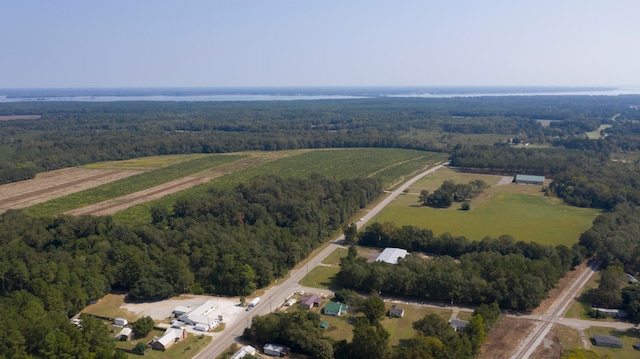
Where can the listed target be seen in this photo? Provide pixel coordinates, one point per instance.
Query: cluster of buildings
(201, 317)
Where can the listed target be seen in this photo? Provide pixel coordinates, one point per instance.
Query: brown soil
(562, 286)
(550, 347)
(505, 337)
(54, 184)
(121, 203)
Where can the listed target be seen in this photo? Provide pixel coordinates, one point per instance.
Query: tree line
(515, 274)
(71, 134)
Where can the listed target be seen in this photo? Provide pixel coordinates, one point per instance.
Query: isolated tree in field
(465, 206)
(422, 197)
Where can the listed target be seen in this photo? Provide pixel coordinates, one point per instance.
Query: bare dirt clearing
(54, 184)
(504, 339)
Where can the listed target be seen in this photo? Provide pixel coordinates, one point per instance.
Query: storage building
(527, 179)
(607, 341)
(275, 350)
(391, 255)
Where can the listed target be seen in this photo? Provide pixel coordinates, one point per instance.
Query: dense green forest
(234, 241)
(228, 242)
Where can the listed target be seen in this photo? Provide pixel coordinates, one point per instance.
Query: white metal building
(391, 255)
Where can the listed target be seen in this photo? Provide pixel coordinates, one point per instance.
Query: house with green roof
(335, 309)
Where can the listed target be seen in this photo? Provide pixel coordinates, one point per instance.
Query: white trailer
(253, 303)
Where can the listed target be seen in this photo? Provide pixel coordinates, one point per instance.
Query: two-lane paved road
(276, 295)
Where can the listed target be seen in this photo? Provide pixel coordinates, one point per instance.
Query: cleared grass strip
(131, 184)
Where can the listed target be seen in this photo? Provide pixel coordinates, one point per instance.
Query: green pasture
(390, 165)
(521, 211)
(190, 165)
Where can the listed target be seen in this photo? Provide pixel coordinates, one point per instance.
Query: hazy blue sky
(214, 43)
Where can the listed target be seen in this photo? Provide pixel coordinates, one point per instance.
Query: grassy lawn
(628, 338)
(399, 328)
(109, 306)
(334, 257)
(402, 328)
(539, 219)
(569, 337)
(184, 349)
(321, 277)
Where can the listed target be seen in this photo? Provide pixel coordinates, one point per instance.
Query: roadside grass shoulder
(333, 259)
(321, 277)
(569, 337)
(132, 184)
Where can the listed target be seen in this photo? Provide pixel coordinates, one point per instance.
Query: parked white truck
(253, 303)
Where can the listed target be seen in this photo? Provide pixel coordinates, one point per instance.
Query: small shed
(636, 346)
(528, 179)
(396, 311)
(607, 341)
(458, 324)
(125, 334)
(335, 308)
(120, 322)
(275, 350)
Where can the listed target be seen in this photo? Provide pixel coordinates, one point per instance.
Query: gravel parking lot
(161, 311)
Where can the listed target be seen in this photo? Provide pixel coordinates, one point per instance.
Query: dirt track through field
(121, 203)
(54, 184)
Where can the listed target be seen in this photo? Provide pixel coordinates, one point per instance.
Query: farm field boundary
(390, 165)
(521, 211)
(160, 171)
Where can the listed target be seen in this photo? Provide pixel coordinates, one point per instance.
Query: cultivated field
(390, 165)
(521, 211)
(54, 184)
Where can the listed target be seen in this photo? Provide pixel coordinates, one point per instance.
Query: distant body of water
(293, 93)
